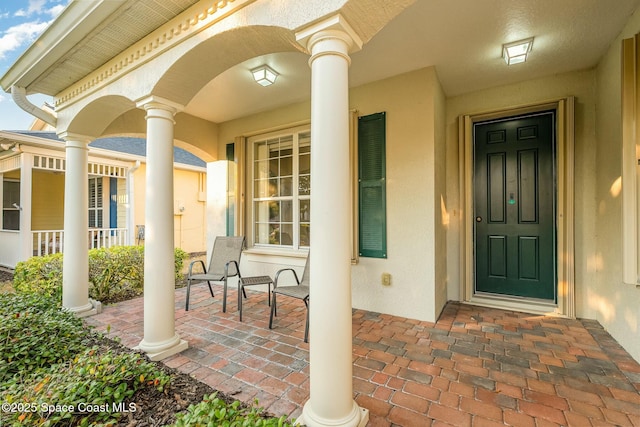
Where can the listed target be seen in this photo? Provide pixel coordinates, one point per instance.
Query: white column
(331, 396)
(75, 266)
(26, 197)
(160, 339)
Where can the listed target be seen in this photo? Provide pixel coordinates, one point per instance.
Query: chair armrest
(204, 269)
(275, 280)
(226, 268)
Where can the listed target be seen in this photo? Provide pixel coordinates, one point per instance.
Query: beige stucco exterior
(428, 182)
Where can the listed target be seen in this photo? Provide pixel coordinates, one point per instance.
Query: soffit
(126, 26)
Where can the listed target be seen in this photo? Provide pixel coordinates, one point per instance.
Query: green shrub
(42, 275)
(35, 333)
(115, 273)
(213, 411)
(95, 385)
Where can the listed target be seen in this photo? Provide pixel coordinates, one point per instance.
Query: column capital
(75, 139)
(335, 27)
(156, 102)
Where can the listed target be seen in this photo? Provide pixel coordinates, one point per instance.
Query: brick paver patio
(474, 366)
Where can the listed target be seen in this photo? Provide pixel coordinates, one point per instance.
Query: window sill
(279, 252)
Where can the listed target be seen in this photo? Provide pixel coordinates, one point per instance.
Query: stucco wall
(412, 200)
(614, 304)
(189, 224)
(414, 102)
(580, 84)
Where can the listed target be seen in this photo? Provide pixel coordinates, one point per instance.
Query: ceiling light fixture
(264, 76)
(516, 52)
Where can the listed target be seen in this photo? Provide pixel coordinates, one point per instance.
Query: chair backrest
(305, 272)
(225, 249)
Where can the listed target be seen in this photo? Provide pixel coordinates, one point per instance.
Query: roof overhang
(76, 22)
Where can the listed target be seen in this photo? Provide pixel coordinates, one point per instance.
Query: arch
(97, 115)
(202, 63)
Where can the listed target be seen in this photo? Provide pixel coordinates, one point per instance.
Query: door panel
(514, 201)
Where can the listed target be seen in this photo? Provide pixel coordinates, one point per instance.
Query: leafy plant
(213, 411)
(35, 333)
(94, 385)
(115, 273)
(41, 275)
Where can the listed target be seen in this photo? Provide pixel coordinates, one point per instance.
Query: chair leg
(210, 288)
(240, 292)
(224, 296)
(273, 311)
(306, 326)
(186, 306)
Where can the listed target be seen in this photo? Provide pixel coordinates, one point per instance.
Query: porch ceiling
(461, 38)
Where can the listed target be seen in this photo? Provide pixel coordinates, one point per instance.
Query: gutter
(19, 95)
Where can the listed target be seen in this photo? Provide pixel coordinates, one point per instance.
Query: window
(95, 202)
(372, 209)
(10, 205)
(281, 189)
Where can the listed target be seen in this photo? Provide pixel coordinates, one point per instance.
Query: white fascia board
(76, 21)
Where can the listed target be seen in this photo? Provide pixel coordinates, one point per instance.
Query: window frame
(10, 208)
(251, 143)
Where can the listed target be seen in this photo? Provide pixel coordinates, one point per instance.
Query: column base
(160, 351)
(359, 417)
(92, 308)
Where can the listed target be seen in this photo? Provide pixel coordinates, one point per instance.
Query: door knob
(478, 219)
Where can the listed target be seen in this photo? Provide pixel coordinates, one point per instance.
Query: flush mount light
(516, 52)
(264, 75)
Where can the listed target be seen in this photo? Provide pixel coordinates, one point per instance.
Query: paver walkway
(474, 366)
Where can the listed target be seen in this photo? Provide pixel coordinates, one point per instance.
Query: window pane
(11, 220)
(273, 188)
(304, 186)
(305, 240)
(261, 188)
(262, 234)
(10, 194)
(262, 211)
(286, 210)
(261, 169)
(273, 168)
(286, 235)
(305, 163)
(286, 186)
(274, 211)
(305, 210)
(286, 166)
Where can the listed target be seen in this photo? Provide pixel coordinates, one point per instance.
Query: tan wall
(47, 209)
(189, 224)
(614, 304)
(414, 103)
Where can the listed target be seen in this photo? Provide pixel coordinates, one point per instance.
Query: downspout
(19, 95)
(131, 199)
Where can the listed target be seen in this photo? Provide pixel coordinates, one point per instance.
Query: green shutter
(231, 199)
(372, 189)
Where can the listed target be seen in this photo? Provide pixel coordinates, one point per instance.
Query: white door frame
(565, 212)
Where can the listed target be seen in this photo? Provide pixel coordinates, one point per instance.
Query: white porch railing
(47, 242)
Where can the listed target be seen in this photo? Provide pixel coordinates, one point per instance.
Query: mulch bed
(155, 408)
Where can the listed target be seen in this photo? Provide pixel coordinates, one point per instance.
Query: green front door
(514, 182)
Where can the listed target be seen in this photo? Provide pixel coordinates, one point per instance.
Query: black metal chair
(224, 263)
(299, 291)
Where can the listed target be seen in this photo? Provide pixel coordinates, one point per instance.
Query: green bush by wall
(115, 273)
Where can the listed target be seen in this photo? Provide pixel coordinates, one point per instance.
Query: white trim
(565, 211)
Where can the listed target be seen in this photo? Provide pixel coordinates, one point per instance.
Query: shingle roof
(122, 144)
